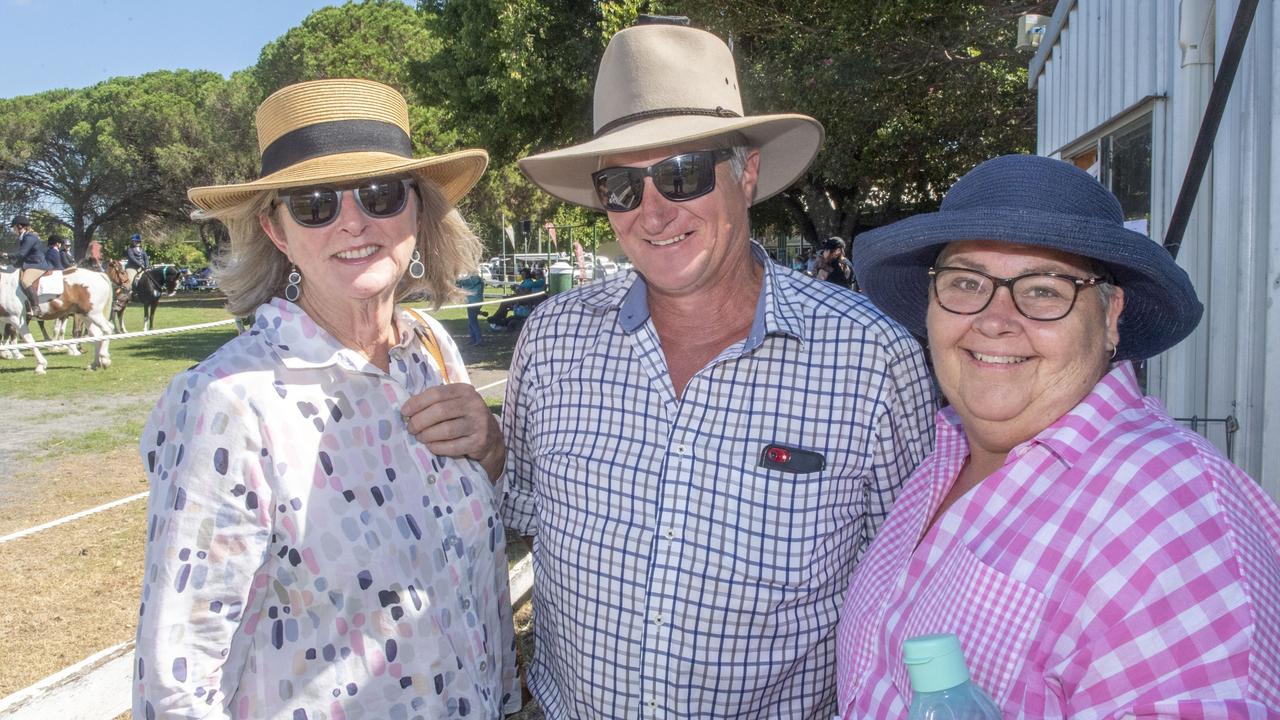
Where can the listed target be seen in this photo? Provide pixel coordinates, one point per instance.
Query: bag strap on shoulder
(429, 342)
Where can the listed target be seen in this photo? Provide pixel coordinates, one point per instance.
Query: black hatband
(665, 112)
(332, 138)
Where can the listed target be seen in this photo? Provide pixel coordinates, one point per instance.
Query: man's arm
(519, 504)
(904, 430)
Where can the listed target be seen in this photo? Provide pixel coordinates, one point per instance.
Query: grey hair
(254, 270)
(1106, 291)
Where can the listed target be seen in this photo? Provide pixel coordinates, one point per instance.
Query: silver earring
(1113, 352)
(293, 290)
(416, 268)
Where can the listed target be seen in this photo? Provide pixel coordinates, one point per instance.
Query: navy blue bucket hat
(1041, 202)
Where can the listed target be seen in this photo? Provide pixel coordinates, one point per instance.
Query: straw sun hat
(337, 131)
(661, 85)
(1046, 203)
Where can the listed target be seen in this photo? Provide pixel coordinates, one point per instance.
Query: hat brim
(1160, 304)
(788, 144)
(454, 173)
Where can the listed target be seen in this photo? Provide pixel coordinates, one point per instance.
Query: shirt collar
(1073, 433)
(302, 344)
(1070, 436)
(774, 314)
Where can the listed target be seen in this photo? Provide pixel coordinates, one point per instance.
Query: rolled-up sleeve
(519, 505)
(209, 525)
(904, 431)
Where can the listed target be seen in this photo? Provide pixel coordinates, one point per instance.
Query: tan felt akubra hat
(661, 85)
(337, 131)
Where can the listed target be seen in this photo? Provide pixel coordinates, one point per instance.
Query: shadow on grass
(194, 346)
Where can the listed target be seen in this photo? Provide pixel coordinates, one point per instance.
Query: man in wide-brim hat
(702, 446)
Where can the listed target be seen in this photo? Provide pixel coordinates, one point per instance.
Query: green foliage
(510, 73)
(911, 92)
(118, 154)
(374, 40)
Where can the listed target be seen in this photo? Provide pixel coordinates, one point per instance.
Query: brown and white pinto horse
(88, 294)
(13, 313)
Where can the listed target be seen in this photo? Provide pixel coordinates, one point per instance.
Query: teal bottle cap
(934, 662)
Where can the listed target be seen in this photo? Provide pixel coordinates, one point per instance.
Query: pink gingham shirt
(1116, 566)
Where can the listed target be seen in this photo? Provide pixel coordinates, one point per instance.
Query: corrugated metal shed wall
(1104, 62)
(1108, 55)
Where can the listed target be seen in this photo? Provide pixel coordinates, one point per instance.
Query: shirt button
(466, 603)
(653, 704)
(484, 665)
(670, 533)
(657, 619)
(682, 449)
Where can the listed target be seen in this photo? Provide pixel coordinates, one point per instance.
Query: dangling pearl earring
(293, 290)
(416, 268)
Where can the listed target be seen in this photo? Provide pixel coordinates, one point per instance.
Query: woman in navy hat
(1095, 558)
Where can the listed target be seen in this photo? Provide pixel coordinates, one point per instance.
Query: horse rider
(135, 259)
(93, 257)
(31, 256)
(56, 256)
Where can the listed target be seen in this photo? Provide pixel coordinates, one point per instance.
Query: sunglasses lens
(685, 177)
(619, 189)
(312, 208)
(384, 198)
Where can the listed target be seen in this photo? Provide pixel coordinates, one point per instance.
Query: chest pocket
(994, 616)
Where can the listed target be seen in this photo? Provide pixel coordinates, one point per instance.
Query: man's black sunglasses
(315, 207)
(679, 178)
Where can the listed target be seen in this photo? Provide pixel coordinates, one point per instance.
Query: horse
(120, 279)
(151, 285)
(86, 293)
(13, 313)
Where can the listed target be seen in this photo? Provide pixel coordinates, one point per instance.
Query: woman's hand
(454, 421)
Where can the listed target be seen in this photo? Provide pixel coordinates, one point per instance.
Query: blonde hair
(254, 270)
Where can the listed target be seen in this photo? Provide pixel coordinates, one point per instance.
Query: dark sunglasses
(315, 207)
(678, 178)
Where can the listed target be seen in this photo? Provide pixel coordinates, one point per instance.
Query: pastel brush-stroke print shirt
(307, 557)
(1116, 566)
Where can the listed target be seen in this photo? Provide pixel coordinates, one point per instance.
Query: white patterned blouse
(306, 556)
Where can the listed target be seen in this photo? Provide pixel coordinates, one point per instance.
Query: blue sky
(76, 43)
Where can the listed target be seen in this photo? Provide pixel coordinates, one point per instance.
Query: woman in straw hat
(306, 555)
(1095, 558)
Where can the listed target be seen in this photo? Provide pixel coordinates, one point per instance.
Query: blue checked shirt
(675, 576)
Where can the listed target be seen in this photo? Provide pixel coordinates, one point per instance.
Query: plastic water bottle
(940, 684)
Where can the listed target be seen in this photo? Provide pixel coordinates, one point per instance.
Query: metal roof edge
(1060, 13)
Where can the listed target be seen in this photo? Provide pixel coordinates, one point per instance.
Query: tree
(373, 40)
(118, 153)
(912, 92)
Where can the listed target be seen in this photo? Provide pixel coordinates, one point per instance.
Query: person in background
(93, 256)
(1095, 558)
(31, 256)
(702, 447)
(54, 255)
(833, 266)
(136, 259)
(311, 553)
(801, 261)
(473, 285)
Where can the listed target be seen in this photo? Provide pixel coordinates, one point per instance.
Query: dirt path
(50, 429)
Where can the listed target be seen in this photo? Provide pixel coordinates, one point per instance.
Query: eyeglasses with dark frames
(1043, 296)
(318, 206)
(678, 178)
